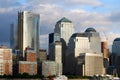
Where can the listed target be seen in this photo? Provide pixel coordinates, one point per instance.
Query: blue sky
(103, 15)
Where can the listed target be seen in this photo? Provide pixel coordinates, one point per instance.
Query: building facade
(90, 64)
(104, 49)
(79, 43)
(62, 32)
(94, 39)
(29, 65)
(5, 61)
(63, 28)
(28, 31)
(49, 68)
(115, 56)
(13, 36)
(56, 55)
(42, 55)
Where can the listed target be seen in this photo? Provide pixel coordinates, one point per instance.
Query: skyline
(103, 15)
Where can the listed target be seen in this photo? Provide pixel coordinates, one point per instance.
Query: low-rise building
(5, 61)
(89, 64)
(29, 64)
(49, 68)
(28, 67)
(42, 55)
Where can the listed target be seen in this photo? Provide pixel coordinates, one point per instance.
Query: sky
(103, 15)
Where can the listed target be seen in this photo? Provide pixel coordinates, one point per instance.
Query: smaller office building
(49, 68)
(90, 64)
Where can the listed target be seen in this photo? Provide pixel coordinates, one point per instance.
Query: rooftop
(79, 35)
(64, 19)
(90, 30)
(117, 39)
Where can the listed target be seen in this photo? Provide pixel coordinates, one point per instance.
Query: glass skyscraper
(28, 31)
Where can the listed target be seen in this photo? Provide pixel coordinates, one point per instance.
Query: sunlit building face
(28, 31)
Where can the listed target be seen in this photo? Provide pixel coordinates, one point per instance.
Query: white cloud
(66, 2)
(83, 2)
(51, 11)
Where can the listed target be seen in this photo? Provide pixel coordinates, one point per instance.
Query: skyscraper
(115, 57)
(13, 36)
(64, 28)
(87, 43)
(62, 32)
(56, 55)
(94, 39)
(28, 31)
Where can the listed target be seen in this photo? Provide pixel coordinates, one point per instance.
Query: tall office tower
(13, 36)
(5, 61)
(63, 28)
(94, 39)
(87, 42)
(51, 38)
(115, 57)
(56, 55)
(28, 31)
(62, 32)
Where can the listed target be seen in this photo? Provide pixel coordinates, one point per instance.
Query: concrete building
(42, 55)
(29, 65)
(90, 64)
(64, 28)
(5, 61)
(28, 31)
(49, 68)
(87, 42)
(105, 52)
(104, 49)
(30, 55)
(62, 32)
(115, 56)
(94, 39)
(56, 55)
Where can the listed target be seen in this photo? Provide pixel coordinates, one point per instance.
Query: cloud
(66, 2)
(8, 3)
(83, 2)
(6, 10)
(51, 11)
(115, 16)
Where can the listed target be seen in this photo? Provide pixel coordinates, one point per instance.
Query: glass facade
(29, 31)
